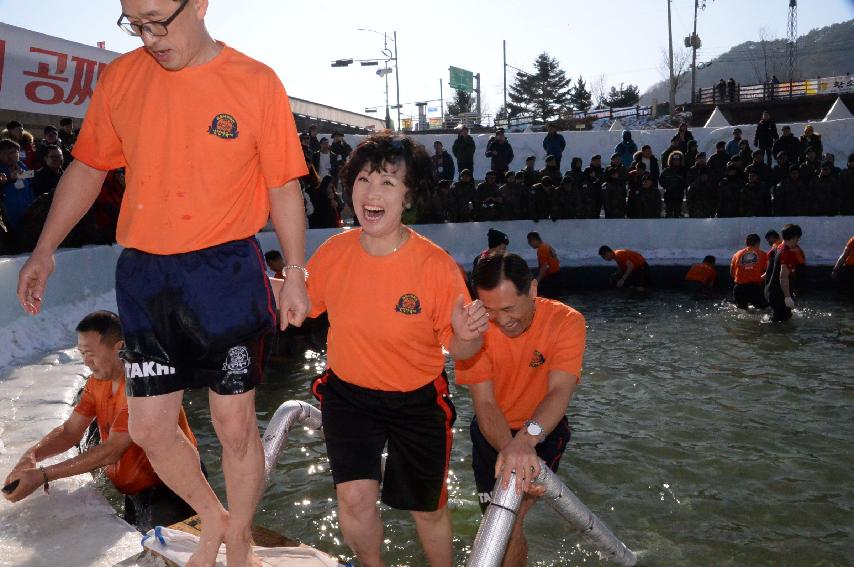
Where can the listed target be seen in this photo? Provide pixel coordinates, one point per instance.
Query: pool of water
(701, 436)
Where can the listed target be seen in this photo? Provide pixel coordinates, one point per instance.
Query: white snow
(838, 111)
(717, 119)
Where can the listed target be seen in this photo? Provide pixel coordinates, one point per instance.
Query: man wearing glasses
(211, 152)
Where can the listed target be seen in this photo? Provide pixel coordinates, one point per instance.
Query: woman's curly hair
(383, 149)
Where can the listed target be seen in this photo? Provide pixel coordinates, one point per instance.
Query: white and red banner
(47, 75)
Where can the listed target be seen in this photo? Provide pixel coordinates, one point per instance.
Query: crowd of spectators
(30, 171)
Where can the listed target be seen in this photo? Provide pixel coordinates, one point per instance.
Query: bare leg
(517, 548)
(153, 425)
(234, 421)
(360, 520)
(434, 531)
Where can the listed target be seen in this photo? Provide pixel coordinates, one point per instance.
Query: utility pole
(441, 103)
(694, 47)
(670, 43)
(792, 37)
(397, 80)
(504, 47)
(477, 91)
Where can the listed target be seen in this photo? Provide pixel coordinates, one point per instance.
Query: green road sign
(461, 79)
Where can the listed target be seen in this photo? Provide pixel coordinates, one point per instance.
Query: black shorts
(639, 277)
(199, 319)
(778, 303)
(749, 294)
(484, 456)
(155, 506)
(417, 425)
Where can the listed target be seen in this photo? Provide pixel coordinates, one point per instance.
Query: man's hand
(518, 455)
(3, 178)
(469, 321)
(27, 461)
(790, 303)
(621, 282)
(32, 281)
(294, 304)
(30, 480)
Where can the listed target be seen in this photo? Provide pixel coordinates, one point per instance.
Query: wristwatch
(534, 429)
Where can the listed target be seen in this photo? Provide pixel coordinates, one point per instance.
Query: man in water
(521, 384)
(747, 269)
(843, 270)
(547, 264)
(190, 283)
(782, 265)
(148, 502)
(632, 269)
(703, 277)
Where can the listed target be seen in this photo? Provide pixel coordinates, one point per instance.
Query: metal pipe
(275, 437)
(490, 543)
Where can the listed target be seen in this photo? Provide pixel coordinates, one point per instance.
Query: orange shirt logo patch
(408, 304)
(537, 360)
(224, 126)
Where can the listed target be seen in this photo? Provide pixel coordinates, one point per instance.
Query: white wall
(836, 136)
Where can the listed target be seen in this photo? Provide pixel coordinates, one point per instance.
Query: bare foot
(238, 550)
(213, 534)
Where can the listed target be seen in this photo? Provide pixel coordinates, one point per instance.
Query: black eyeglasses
(157, 28)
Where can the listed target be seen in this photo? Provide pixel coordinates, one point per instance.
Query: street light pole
(397, 79)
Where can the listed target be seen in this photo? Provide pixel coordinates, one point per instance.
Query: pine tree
(581, 98)
(545, 93)
(622, 97)
(461, 103)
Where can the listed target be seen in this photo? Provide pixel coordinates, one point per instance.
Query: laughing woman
(394, 299)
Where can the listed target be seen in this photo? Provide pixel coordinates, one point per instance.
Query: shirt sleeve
(98, 144)
(449, 285)
(475, 370)
(86, 405)
(570, 342)
(281, 155)
(120, 422)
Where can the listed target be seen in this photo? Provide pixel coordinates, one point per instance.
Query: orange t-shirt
(201, 146)
(132, 473)
(849, 249)
(546, 256)
(703, 273)
(748, 266)
(623, 257)
(388, 315)
(519, 367)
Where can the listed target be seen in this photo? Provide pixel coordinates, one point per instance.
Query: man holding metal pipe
(521, 384)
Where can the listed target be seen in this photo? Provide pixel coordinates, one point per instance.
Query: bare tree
(599, 90)
(765, 61)
(681, 70)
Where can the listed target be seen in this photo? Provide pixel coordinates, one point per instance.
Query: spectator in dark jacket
(650, 198)
(790, 195)
(514, 194)
(443, 163)
(811, 140)
(463, 150)
(674, 180)
(554, 143)
(765, 136)
(720, 91)
(729, 192)
(531, 174)
(487, 196)
(594, 172)
(590, 190)
(626, 149)
(824, 192)
(47, 178)
(810, 165)
(846, 188)
(731, 89)
(788, 143)
(690, 157)
(500, 152)
(464, 198)
(575, 178)
(760, 168)
(734, 145)
(781, 170)
(717, 162)
(652, 166)
(552, 170)
(683, 135)
(755, 197)
(340, 152)
(702, 195)
(665, 155)
(614, 194)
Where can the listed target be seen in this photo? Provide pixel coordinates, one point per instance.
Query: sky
(622, 43)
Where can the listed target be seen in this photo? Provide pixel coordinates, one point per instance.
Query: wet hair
(791, 231)
(272, 256)
(105, 323)
(492, 270)
(604, 250)
(6, 144)
(772, 234)
(533, 236)
(384, 148)
(709, 260)
(752, 239)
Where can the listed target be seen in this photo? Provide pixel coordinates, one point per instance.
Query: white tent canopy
(838, 111)
(717, 119)
(617, 126)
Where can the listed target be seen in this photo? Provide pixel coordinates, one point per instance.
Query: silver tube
(591, 528)
(276, 435)
(490, 543)
(494, 531)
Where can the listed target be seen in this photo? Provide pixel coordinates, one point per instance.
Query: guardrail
(776, 91)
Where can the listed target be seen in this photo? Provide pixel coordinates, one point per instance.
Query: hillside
(822, 52)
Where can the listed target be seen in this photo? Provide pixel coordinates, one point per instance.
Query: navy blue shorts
(197, 319)
(484, 456)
